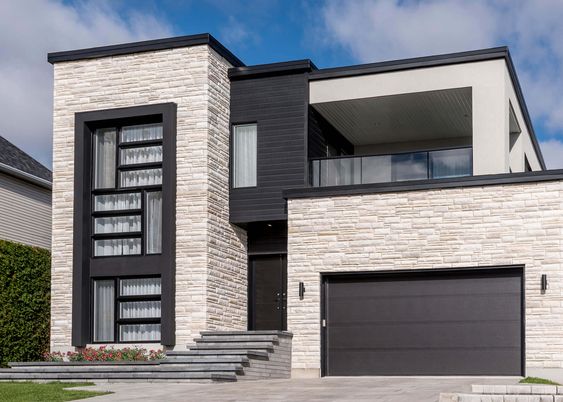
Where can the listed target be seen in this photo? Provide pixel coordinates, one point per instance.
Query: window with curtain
(138, 302)
(104, 158)
(154, 222)
(127, 193)
(244, 155)
(104, 310)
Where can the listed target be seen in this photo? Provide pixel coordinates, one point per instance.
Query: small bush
(103, 354)
(25, 283)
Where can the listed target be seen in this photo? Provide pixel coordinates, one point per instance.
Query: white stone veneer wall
(195, 79)
(468, 227)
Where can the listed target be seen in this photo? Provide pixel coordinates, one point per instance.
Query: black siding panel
(278, 105)
(323, 134)
(267, 238)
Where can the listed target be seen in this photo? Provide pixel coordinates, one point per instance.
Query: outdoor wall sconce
(544, 284)
(301, 290)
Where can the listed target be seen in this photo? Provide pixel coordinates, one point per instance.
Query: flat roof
(240, 71)
(146, 46)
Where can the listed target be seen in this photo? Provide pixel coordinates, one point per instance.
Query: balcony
(349, 170)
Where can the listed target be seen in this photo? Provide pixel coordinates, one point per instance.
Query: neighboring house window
(244, 155)
(137, 303)
(127, 187)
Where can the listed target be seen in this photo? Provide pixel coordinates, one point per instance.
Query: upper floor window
(127, 190)
(244, 155)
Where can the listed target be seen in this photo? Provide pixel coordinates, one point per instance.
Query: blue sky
(330, 32)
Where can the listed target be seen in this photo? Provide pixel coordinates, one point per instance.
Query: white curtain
(110, 247)
(140, 287)
(141, 132)
(104, 292)
(136, 178)
(244, 155)
(154, 222)
(104, 158)
(114, 202)
(140, 309)
(118, 224)
(139, 332)
(132, 156)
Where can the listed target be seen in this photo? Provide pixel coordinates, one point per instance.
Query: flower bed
(103, 354)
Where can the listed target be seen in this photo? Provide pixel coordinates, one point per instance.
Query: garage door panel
(431, 335)
(421, 285)
(432, 307)
(424, 362)
(451, 323)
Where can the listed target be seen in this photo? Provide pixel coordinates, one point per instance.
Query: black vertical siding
(278, 105)
(323, 134)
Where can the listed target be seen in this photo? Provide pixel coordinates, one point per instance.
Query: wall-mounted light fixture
(544, 284)
(301, 290)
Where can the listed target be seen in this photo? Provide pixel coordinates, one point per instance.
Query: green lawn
(46, 392)
(537, 380)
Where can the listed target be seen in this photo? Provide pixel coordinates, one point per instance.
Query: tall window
(244, 155)
(127, 190)
(127, 310)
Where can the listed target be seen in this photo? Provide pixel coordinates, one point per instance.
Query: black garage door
(424, 323)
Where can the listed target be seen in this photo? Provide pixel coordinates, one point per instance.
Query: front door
(268, 292)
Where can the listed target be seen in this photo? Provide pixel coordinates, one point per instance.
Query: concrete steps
(215, 357)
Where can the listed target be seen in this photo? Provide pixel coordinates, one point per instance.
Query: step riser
(237, 339)
(62, 376)
(233, 346)
(160, 369)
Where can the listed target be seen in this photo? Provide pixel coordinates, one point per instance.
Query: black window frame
(85, 266)
(117, 189)
(232, 154)
(117, 299)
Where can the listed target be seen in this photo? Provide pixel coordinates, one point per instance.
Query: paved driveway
(355, 389)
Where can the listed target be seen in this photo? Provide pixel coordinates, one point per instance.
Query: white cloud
(29, 29)
(390, 29)
(553, 153)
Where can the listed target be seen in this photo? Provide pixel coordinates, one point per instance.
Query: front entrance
(267, 292)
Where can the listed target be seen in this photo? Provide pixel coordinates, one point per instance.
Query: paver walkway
(394, 389)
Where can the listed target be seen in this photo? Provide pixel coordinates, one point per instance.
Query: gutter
(46, 184)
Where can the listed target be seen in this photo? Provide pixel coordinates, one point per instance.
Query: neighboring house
(25, 197)
(396, 217)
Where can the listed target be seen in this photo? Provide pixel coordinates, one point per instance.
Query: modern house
(25, 198)
(395, 217)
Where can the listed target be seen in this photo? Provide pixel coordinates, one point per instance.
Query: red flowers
(103, 354)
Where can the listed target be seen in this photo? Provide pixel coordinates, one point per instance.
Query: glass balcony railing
(347, 170)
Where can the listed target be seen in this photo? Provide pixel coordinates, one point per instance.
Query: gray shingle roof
(16, 158)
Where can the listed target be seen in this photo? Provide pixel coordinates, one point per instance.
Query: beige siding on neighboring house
(25, 212)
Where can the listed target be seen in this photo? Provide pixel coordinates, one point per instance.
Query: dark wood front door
(268, 292)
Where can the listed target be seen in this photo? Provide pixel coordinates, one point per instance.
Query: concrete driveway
(388, 389)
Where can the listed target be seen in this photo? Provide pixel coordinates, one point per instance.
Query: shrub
(25, 282)
(103, 354)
